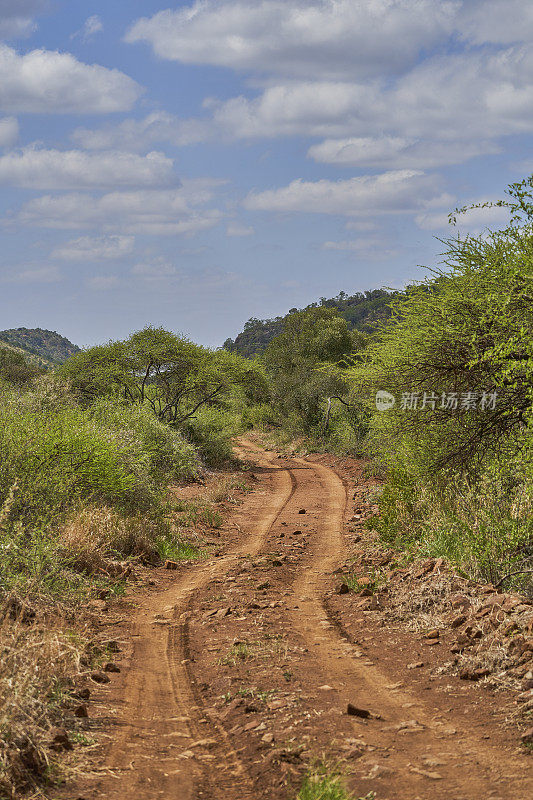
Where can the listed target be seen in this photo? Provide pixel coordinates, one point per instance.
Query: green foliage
(166, 372)
(361, 311)
(161, 451)
(48, 346)
(212, 430)
(58, 453)
(468, 330)
(460, 475)
(324, 782)
(308, 363)
(15, 369)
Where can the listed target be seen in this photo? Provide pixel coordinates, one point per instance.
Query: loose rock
(354, 711)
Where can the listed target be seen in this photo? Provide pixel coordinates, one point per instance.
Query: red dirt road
(234, 678)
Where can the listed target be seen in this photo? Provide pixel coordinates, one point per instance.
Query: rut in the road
(159, 718)
(174, 737)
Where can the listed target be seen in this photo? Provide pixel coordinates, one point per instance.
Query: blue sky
(195, 165)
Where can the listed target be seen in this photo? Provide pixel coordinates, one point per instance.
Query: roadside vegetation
(90, 452)
(455, 355)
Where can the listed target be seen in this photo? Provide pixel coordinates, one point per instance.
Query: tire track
(157, 750)
(368, 687)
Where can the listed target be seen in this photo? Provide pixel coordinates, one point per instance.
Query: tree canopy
(171, 374)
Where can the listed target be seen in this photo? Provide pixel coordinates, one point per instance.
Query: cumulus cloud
(496, 21)
(91, 27)
(45, 81)
(168, 212)
(17, 17)
(9, 131)
(347, 38)
(138, 134)
(306, 108)
(487, 95)
(95, 248)
(357, 73)
(399, 191)
(389, 152)
(35, 168)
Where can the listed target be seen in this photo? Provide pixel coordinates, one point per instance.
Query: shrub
(212, 430)
(159, 448)
(458, 472)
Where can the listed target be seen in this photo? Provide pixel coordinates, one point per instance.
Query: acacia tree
(304, 362)
(15, 369)
(171, 374)
(467, 332)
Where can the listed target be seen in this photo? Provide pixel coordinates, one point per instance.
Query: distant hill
(47, 346)
(362, 310)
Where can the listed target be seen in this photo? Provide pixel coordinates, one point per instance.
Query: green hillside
(43, 345)
(361, 310)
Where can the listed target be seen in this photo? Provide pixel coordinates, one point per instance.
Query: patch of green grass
(260, 694)
(82, 739)
(238, 652)
(325, 782)
(373, 581)
(177, 549)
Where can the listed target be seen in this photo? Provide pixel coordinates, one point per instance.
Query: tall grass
(37, 664)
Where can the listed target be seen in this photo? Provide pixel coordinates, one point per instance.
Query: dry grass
(36, 665)
(224, 489)
(96, 534)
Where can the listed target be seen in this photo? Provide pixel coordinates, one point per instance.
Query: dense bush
(212, 430)
(457, 356)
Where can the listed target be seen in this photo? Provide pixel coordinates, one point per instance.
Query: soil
(239, 672)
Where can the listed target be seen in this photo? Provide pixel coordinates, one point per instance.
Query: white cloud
(357, 73)
(97, 248)
(306, 108)
(91, 26)
(442, 99)
(34, 275)
(496, 21)
(55, 169)
(34, 168)
(392, 152)
(9, 131)
(17, 17)
(168, 212)
(335, 38)
(138, 134)
(238, 229)
(391, 192)
(45, 81)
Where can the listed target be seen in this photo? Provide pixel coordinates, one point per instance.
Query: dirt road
(236, 678)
